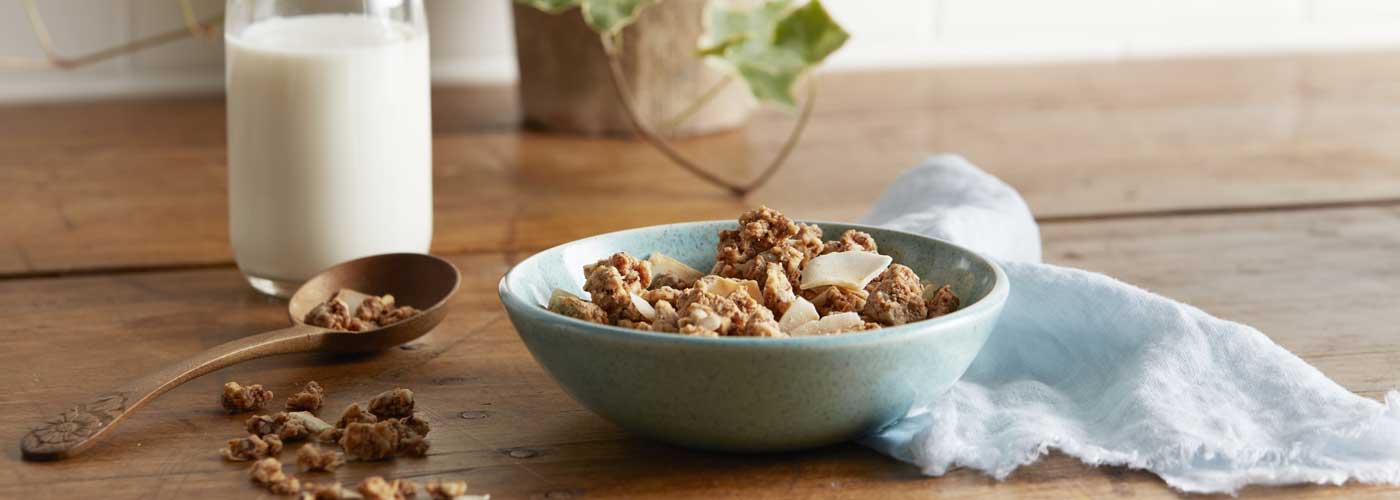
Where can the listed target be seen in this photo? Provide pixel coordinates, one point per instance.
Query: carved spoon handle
(80, 426)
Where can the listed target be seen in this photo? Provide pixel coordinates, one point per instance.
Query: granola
(572, 306)
(834, 299)
(895, 297)
(253, 447)
(333, 491)
(238, 398)
(353, 311)
(376, 441)
(309, 399)
(613, 282)
(312, 458)
(355, 414)
(852, 241)
(395, 403)
(767, 267)
(445, 490)
(376, 488)
(942, 301)
(268, 473)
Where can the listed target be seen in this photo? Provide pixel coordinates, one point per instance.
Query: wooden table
(1264, 190)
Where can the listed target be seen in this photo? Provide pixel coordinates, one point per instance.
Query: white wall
(472, 39)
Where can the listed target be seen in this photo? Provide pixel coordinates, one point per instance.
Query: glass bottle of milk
(329, 134)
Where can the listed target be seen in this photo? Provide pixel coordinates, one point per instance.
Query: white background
(472, 39)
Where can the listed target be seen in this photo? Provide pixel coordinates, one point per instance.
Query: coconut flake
(724, 287)
(643, 307)
(662, 264)
(830, 325)
(801, 312)
(851, 270)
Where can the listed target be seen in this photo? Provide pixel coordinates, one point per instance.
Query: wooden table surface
(1265, 190)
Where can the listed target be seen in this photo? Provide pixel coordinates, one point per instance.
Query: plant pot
(564, 82)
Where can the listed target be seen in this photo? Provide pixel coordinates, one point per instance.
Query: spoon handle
(80, 426)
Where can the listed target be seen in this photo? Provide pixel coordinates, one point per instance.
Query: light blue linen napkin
(1114, 375)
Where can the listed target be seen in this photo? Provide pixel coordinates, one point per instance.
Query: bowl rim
(987, 305)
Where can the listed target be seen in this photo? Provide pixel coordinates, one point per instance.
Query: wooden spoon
(421, 281)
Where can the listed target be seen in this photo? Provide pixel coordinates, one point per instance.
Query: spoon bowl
(422, 281)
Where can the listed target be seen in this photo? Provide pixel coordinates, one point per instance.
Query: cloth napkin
(1114, 375)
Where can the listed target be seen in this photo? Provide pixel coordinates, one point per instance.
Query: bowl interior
(534, 279)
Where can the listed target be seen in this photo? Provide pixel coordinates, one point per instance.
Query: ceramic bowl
(746, 394)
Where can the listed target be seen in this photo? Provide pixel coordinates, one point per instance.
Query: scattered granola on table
(352, 311)
(772, 277)
(309, 399)
(252, 447)
(238, 398)
(362, 435)
(311, 458)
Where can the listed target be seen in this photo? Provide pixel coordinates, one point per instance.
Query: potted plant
(671, 68)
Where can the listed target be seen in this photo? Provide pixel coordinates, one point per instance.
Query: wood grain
(1316, 281)
(134, 184)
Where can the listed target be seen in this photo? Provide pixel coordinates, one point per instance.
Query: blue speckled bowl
(751, 394)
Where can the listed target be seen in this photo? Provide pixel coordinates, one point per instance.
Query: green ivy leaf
(550, 6)
(810, 32)
(608, 17)
(771, 44)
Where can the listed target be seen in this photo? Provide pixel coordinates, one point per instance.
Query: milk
(329, 143)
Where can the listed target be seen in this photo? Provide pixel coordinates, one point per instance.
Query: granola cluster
(238, 398)
(309, 399)
(772, 277)
(352, 311)
(384, 428)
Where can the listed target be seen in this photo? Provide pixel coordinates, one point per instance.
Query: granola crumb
(575, 307)
(942, 301)
(611, 282)
(287, 486)
(394, 403)
(371, 308)
(417, 424)
(834, 299)
(333, 491)
(413, 445)
(851, 241)
(445, 490)
(331, 435)
(309, 399)
(355, 414)
(266, 471)
(290, 426)
(376, 488)
(312, 458)
(252, 447)
(407, 488)
(333, 314)
(238, 398)
(895, 297)
(396, 315)
(376, 441)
